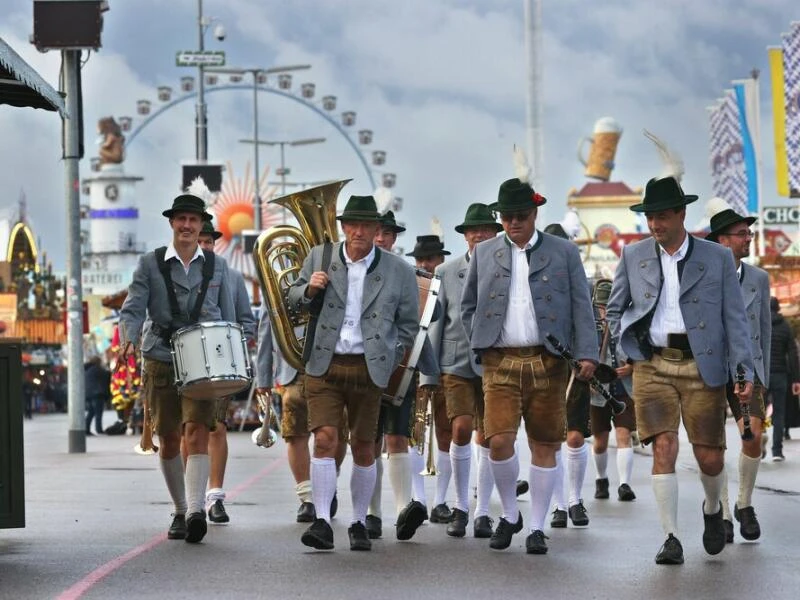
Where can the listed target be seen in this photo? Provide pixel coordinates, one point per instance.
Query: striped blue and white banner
(791, 93)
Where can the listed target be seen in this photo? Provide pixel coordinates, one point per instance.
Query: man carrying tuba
(367, 319)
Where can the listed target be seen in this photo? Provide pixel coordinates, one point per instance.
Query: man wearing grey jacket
(367, 305)
(521, 288)
(676, 312)
(174, 415)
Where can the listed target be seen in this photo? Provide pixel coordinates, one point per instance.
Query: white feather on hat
(522, 169)
(716, 205)
(383, 199)
(436, 229)
(673, 163)
(571, 224)
(199, 189)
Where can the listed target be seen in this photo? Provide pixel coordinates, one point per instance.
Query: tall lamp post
(283, 143)
(259, 77)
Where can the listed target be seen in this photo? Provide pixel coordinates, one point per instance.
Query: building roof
(21, 85)
(605, 188)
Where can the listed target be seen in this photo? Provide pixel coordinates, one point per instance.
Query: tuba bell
(279, 253)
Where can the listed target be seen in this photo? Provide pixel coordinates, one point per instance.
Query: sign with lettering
(781, 215)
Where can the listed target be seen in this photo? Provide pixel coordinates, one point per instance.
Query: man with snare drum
(198, 290)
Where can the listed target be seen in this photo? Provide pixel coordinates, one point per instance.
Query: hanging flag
(779, 120)
(746, 102)
(791, 95)
(729, 179)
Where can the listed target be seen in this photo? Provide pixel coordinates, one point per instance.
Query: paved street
(96, 527)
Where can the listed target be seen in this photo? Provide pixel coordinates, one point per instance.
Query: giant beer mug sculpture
(603, 148)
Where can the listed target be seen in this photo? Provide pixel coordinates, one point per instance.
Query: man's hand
(744, 391)
(316, 283)
(796, 389)
(586, 371)
(624, 370)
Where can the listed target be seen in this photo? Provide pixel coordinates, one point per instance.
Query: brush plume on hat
(383, 199)
(436, 228)
(673, 163)
(199, 189)
(715, 206)
(522, 169)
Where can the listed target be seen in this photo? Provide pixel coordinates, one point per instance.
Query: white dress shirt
(173, 253)
(520, 328)
(667, 317)
(351, 341)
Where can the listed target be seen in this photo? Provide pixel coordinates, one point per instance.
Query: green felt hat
(663, 194)
(479, 215)
(387, 220)
(724, 219)
(516, 196)
(188, 203)
(360, 208)
(208, 229)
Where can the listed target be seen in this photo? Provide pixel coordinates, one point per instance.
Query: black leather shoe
(577, 514)
(522, 487)
(535, 543)
(458, 524)
(482, 527)
(749, 527)
(441, 513)
(374, 527)
(501, 538)
(728, 531)
(306, 513)
(671, 552)
(177, 529)
(559, 518)
(196, 527)
(601, 488)
(334, 506)
(625, 493)
(409, 520)
(217, 514)
(359, 538)
(319, 535)
(713, 532)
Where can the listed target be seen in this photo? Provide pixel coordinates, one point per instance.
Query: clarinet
(747, 433)
(612, 349)
(617, 405)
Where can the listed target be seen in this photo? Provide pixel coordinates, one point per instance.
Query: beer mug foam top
(604, 140)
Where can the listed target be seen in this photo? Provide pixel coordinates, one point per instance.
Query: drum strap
(166, 273)
(316, 306)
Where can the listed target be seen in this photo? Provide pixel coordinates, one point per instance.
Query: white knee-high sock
(197, 468)
(665, 488)
(558, 491)
(601, 464)
(400, 478)
(506, 473)
(417, 479)
(172, 469)
(542, 480)
(323, 485)
(576, 469)
(712, 486)
(723, 496)
(624, 464)
(748, 470)
(460, 460)
(377, 495)
(444, 470)
(362, 483)
(485, 483)
(303, 491)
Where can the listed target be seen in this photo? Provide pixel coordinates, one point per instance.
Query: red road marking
(84, 585)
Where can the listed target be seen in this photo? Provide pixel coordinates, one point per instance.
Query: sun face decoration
(233, 211)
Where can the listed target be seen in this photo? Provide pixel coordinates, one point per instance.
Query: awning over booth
(21, 85)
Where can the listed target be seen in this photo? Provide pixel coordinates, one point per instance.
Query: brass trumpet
(265, 436)
(423, 417)
(146, 447)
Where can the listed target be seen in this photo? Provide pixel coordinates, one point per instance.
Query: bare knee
(325, 442)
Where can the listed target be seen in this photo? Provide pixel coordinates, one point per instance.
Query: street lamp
(283, 171)
(259, 77)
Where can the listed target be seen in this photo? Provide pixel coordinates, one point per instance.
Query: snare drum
(210, 360)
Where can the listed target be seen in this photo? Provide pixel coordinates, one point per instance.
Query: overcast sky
(441, 84)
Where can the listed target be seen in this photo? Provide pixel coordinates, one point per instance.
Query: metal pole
(283, 171)
(70, 61)
(256, 168)
(532, 12)
(201, 123)
(756, 135)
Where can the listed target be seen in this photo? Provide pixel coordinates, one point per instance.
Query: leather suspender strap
(316, 306)
(208, 273)
(164, 268)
